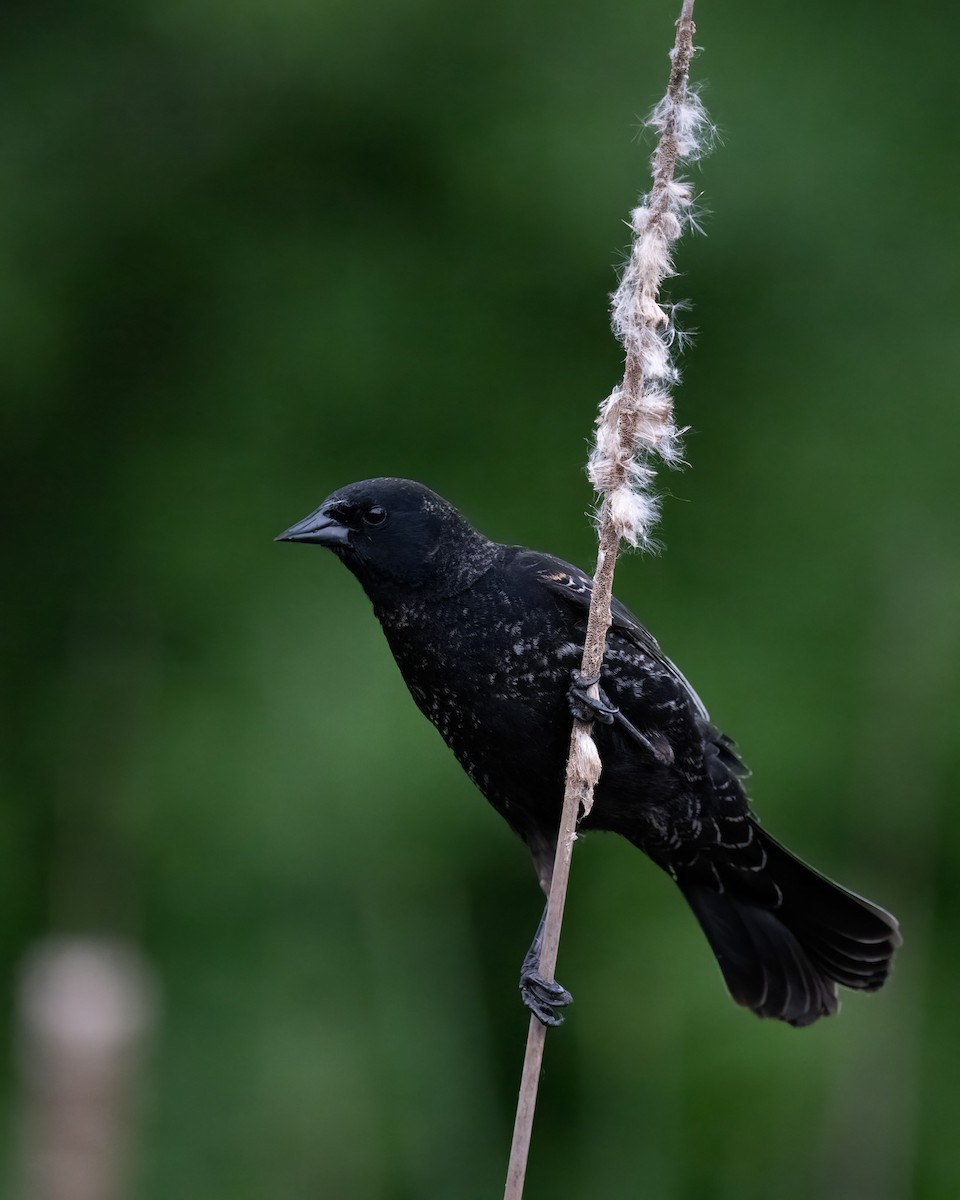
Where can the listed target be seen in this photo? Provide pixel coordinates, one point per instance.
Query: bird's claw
(543, 997)
(586, 707)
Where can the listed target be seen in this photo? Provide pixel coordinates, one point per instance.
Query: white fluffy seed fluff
(587, 766)
(636, 422)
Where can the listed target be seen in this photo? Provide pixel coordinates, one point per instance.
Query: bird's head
(397, 537)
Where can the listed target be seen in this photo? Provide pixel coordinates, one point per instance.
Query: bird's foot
(586, 707)
(543, 997)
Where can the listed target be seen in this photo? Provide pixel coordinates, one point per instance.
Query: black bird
(488, 639)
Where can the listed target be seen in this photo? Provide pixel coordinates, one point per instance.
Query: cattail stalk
(635, 427)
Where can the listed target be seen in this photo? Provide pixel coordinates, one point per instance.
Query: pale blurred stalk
(86, 1010)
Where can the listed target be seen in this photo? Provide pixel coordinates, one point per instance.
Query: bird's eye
(375, 515)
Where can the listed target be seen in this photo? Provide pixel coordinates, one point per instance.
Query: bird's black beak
(319, 528)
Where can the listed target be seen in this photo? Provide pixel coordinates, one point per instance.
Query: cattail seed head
(636, 424)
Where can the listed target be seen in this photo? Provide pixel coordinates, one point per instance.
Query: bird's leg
(541, 996)
(600, 708)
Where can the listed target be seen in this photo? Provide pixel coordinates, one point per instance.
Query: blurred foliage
(251, 252)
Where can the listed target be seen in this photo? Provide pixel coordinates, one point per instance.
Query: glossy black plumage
(487, 638)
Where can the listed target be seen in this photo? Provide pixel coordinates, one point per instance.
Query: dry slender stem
(629, 412)
(578, 795)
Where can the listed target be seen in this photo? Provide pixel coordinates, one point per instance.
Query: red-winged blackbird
(488, 639)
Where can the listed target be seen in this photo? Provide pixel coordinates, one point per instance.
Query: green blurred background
(251, 252)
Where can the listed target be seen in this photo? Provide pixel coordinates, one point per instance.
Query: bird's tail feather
(785, 962)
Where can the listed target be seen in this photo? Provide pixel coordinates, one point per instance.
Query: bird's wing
(576, 587)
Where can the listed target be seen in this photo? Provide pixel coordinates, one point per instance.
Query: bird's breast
(490, 679)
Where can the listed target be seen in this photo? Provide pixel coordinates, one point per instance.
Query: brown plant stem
(583, 766)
